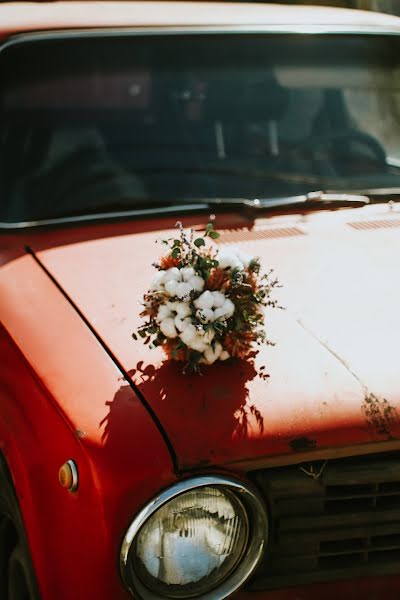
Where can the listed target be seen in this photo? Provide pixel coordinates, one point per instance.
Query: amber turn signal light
(68, 476)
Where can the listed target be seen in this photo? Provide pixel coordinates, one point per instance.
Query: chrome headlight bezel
(257, 521)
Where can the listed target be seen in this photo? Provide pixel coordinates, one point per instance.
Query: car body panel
(333, 280)
(70, 401)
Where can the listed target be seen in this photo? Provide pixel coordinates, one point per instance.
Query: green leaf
(175, 252)
(199, 242)
(177, 243)
(142, 333)
(214, 235)
(134, 336)
(209, 227)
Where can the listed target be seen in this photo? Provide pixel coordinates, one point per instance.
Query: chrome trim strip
(294, 28)
(258, 521)
(75, 477)
(143, 212)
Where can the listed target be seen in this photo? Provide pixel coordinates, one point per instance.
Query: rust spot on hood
(380, 415)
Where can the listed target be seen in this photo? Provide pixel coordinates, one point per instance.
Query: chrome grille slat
(344, 524)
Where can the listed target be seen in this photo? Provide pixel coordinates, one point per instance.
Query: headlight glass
(201, 538)
(192, 543)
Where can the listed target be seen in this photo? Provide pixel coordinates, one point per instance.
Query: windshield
(98, 123)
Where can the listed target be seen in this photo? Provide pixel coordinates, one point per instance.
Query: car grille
(340, 520)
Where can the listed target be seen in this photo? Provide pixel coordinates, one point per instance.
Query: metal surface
(258, 524)
(329, 351)
(332, 520)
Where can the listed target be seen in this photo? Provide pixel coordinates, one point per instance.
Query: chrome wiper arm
(313, 200)
(380, 193)
(337, 198)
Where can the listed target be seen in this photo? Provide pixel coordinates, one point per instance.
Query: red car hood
(331, 381)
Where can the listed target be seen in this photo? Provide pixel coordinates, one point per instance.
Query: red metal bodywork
(74, 384)
(81, 406)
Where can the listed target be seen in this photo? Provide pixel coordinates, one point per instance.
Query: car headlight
(202, 538)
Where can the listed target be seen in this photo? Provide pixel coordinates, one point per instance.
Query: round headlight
(201, 538)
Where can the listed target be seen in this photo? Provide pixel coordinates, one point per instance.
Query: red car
(276, 478)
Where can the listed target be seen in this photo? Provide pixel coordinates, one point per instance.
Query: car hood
(331, 381)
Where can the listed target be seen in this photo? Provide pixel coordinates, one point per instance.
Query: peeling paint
(380, 415)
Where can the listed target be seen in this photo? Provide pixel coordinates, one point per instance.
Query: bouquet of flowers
(206, 304)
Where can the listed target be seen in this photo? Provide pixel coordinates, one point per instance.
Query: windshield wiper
(318, 200)
(383, 194)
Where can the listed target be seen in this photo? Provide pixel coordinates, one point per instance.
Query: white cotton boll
(218, 299)
(228, 308)
(219, 314)
(185, 323)
(171, 286)
(226, 258)
(183, 290)
(183, 309)
(205, 314)
(181, 323)
(172, 305)
(238, 265)
(244, 258)
(163, 313)
(212, 354)
(206, 357)
(187, 273)
(172, 274)
(206, 300)
(167, 327)
(197, 282)
(224, 355)
(157, 282)
(198, 343)
(188, 334)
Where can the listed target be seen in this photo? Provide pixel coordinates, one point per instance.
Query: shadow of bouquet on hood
(215, 405)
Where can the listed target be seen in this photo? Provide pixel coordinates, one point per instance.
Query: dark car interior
(110, 122)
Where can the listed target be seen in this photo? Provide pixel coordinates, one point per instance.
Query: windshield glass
(101, 123)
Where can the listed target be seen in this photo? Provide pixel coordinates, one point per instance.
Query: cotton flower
(198, 344)
(183, 290)
(206, 315)
(228, 308)
(181, 322)
(188, 334)
(244, 258)
(197, 283)
(171, 286)
(227, 258)
(164, 313)
(183, 309)
(213, 354)
(187, 273)
(167, 327)
(233, 258)
(206, 300)
(157, 281)
(172, 274)
(218, 299)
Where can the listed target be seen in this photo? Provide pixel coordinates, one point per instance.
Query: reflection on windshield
(90, 124)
